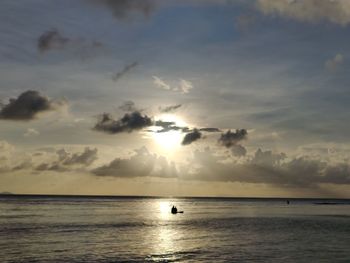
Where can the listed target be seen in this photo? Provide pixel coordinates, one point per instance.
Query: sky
(175, 98)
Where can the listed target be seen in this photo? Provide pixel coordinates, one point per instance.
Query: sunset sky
(175, 98)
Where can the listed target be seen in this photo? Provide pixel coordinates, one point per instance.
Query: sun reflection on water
(167, 238)
(164, 209)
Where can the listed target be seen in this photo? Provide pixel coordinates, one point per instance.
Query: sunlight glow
(164, 209)
(169, 140)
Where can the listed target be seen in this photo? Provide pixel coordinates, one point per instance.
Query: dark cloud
(169, 126)
(128, 123)
(141, 164)
(164, 124)
(238, 150)
(135, 121)
(87, 157)
(337, 174)
(124, 71)
(192, 134)
(55, 167)
(191, 137)
(268, 157)
(27, 106)
(54, 40)
(229, 138)
(23, 165)
(174, 128)
(170, 108)
(210, 129)
(128, 106)
(67, 161)
(128, 9)
(51, 39)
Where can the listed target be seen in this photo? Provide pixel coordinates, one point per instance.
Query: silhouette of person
(174, 210)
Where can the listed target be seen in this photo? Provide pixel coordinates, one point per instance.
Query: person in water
(174, 210)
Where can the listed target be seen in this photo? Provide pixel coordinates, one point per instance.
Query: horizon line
(9, 194)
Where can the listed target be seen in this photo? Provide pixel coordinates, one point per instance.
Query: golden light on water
(164, 209)
(167, 236)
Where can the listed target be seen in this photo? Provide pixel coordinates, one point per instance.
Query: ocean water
(106, 229)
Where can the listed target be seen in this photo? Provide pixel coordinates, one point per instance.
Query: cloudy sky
(188, 98)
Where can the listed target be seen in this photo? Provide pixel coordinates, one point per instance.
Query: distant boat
(177, 212)
(174, 210)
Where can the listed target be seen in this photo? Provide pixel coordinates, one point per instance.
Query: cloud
(164, 124)
(128, 106)
(31, 132)
(26, 164)
(67, 161)
(268, 168)
(124, 71)
(53, 40)
(128, 123)
(6, 151)
(160, 83)
(27, 106)
(55, 167)
(6, 147)
(184, 86)
(268, 158)
(334, 63)
(238, 150)
(128, 9)
(191, 137)
(87, 157)
(170, 108)
(210, 129)
(335, 11)
(135, 121)
(48, 159)
(229, 138)
(170, 126)
(141, 164)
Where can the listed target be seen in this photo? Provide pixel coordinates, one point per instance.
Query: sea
(142, 229)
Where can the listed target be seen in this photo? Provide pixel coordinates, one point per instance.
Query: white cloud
(31, 132)
(141, 163)
(334, 63)
(6, 147)
(335, 11)
(184, 86)
(160, 83)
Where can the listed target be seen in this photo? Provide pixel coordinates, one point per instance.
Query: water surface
(113, 229)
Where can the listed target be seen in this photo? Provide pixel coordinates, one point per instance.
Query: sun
(171, 139)
(168, 140)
